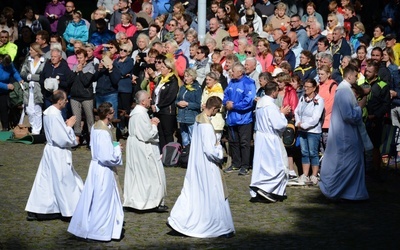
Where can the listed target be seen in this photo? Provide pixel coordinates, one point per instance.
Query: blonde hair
(126, 46)
(36, 47)
(101, 10)
(360, 26)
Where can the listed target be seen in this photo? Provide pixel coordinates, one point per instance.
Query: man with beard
(378, 104)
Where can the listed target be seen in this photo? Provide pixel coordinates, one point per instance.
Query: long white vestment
(270, 158)
(202, 209)
(145, 183)
(99, 214)
(57, 186)
(342, 170)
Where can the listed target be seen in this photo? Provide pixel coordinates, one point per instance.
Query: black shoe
(228, 235)
(161, 209)
(31, 216)
(269, 197)
(231, 169)
(243, 171)
(254, 199)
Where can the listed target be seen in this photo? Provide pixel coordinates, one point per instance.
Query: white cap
(276, 72)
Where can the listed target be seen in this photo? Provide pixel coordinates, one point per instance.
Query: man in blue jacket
(238, 101)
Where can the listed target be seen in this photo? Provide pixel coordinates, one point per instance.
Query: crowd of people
(264, 67)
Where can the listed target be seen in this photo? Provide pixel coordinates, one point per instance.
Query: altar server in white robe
(99, 214)
(145, 183)
(202, 209)
(57, 186)
(343, 169)
(270, 164)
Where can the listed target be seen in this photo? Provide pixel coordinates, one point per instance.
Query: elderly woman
(76, 30)
(139, 59)
(311, 12)
(188, 104)
(330, 26)
(164, 97)
(214, 88)
(181, 62)
(306, 69)
(308, 120)
(126, 25)
(121, 75)
(82, 92)
(33, 97)
(264, 78)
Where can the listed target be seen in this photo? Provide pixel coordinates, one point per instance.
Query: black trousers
(166, 129)
(4, 109)
(239, 138)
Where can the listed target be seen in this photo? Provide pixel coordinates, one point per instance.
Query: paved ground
(305, 220)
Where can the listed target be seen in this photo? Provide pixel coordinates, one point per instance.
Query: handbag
(289, 135)
(20, 131)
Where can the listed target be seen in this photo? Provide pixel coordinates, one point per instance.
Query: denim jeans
(309, 143)
(111, 98)
(186, 133)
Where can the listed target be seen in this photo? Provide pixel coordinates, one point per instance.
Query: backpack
(16, 95)
(289, 135)
(171, 153)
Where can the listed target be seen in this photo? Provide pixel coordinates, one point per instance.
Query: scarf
(201, 64)
(376, 40)
(303, 68)
(190, 87)
(164, 79)
(217, 88)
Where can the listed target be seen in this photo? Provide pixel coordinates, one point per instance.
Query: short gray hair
(140, 96)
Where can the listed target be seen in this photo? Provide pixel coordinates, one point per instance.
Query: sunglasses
(158, 61)
(248, 52)
(124, 50)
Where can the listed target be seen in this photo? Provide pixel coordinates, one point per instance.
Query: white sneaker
(292, 175)
(314, 179)
(301, 181)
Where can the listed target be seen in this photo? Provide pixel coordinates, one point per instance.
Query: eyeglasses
(330, 20)
(171, 24)
(294, 21)
(124, 50)
(248, 52)
(308, 87)
(199, 52)
(158, 61)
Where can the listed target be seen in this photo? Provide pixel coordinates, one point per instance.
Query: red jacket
(130, 30)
